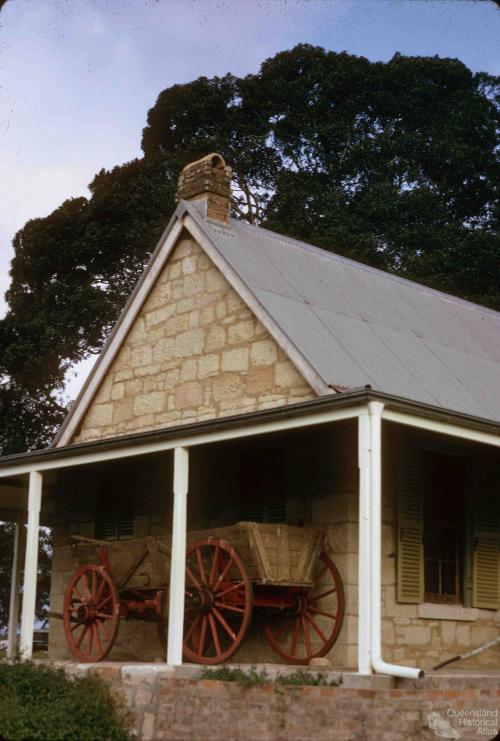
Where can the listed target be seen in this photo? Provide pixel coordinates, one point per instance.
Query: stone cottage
(254, 378)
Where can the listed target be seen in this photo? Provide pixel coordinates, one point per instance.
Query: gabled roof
(345, 325)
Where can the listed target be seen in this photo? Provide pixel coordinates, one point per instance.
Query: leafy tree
(394, 164)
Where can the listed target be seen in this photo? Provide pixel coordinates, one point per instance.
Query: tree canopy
(394, 164)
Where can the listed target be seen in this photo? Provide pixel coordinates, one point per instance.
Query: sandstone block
(123, 410)
(158, 316)
(207, 315)
(146, 370)
(263, 352)
(123, 375)
(220, 309)
(149, 403)
(163, 349)
(189, 265)
(286, 375)
(260, 380)
(189, 343)
(208, 365)
(216, 338)
(188, 370)
(184, 249)
(235, 360)
(118, 391)
(227, 386)
(142, 355)
(99, 415)
(194, 284)
(188, 395)
(215, 281)
(241, 332)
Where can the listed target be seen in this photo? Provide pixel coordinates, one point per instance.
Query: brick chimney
(207, 182)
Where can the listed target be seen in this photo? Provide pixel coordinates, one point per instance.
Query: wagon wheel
(218, 603)
(91, 613)
(311, 627)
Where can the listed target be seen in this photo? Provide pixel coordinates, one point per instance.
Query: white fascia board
(82, 458)
(297, 358)
(441, 428)
(117, 338)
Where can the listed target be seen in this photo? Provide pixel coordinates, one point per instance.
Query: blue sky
(78, 76)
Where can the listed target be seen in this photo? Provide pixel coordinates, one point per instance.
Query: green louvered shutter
(486, 535)
(410, 559)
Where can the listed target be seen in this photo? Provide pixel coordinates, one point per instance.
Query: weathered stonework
(195, 352)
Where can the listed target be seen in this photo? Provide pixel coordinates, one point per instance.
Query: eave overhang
(307, 413)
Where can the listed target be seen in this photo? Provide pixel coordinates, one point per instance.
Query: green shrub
(301, 678)
(225, 674)
(42, 702)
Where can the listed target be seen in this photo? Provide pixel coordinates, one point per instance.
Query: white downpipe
(31, 565)
(178, 561)
(379, 665)
(364, 663)
(14, 591)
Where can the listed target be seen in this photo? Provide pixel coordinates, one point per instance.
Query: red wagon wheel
(218, 602)
(91, 613)
(311, 627)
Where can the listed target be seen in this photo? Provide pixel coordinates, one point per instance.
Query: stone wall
(195, 352)
(169, 706)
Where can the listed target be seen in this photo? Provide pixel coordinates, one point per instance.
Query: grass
(253, 677)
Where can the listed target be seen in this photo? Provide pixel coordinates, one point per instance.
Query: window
(115, 507)
(444, 511)
(262, 485)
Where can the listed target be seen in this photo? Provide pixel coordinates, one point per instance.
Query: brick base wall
(180, 709)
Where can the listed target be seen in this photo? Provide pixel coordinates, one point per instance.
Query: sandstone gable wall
(195, 352)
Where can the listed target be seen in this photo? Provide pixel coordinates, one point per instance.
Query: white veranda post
(178, 563)
(31, 564)
(14, 590)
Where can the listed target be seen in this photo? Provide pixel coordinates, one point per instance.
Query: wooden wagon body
(276, 554)
(279, 569)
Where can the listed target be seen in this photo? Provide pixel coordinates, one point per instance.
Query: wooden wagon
(279, 570)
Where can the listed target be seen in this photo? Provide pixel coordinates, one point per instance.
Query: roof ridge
(334, 257)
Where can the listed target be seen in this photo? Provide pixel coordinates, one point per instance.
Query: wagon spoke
(100, 589)
(221, 620)
(225, 572)
(193, 578)
(77, 625)
(201, 566)
(94, 585)
(215, 635)
(282, 629)
(91, 639)
(80, 596)
(104, 615)
(231, 608)
(104, 602)
(203, 635)
(307, 637)
(97, 638)
(192, 628)
(104, 629)
(232, 588)
(317, 611)
(82, 635)
(315, 627)
(86, 583)
(213, 569)
(323, 594)
(295, 638)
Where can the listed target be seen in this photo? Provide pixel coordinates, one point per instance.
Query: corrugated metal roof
(357, 325)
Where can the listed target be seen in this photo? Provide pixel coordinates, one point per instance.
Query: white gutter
(375, 409)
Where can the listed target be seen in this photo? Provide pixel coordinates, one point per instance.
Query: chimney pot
(208, 183)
